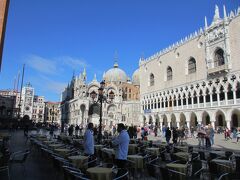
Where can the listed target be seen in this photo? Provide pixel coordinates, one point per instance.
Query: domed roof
(135, 78)
(115, 74)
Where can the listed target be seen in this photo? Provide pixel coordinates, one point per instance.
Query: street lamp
(101, 98)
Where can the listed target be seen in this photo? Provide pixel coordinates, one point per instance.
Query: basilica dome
(115, 74)
(135, 78)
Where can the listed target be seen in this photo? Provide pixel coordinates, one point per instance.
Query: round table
(62, 151)
(177, 167)
(55, 146)
(182, 155)
(154, 151)
(132, 148)
(223, 165)
(100, 173)
(78, 160)
(137, 159)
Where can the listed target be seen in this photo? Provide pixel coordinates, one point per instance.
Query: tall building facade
(196, 80)
(38, 109)
(8, 107)
(31, 106)
(78, 107)
(52, 112)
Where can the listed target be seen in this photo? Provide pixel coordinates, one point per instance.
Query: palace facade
(196, 80)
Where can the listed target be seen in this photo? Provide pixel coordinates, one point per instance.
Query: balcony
(218, 69)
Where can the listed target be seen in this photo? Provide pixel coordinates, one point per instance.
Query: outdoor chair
(229, 176)
(71, 173)
(19, 157)
(123, 175)
(6, 170)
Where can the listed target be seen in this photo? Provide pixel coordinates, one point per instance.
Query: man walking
(121, 143)
(89, 141)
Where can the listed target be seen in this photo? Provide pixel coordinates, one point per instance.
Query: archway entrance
(164, 123)
(182, 123)
(173, 122)
(235, 118)
(205, 118)
(193, 120)
(220, 120)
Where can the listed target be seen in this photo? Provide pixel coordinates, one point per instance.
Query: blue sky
(56, 37)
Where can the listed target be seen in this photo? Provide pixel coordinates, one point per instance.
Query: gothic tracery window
(219, 58)
(169, 73)
(191, 66)
(151, 79)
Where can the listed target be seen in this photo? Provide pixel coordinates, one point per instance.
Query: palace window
(219, 58)
(191, 66)
(169, 73)
(151, 79)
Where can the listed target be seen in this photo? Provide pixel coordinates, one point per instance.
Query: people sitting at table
(121, 143)
(89, 141)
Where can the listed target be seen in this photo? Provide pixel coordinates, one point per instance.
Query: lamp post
(101, 98)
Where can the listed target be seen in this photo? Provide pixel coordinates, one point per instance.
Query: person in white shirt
(121, 143)
(89, 141)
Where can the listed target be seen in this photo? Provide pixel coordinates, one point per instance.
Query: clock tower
(27, 101)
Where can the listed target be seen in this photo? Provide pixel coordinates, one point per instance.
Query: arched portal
(164, 123)
(173, 122)
(182, 120)
(220, 119)
(205, 118)
(235, 118)
(150, 120)
(157, 123)
(193, 120)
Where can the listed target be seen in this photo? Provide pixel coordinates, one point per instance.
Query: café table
(100, 173)
(138, 161)
(224, 165)
(178, 167)
(153, 150)
(62, 151)
(182, 155)
(78, 160)
(55, 146)
(132, 148)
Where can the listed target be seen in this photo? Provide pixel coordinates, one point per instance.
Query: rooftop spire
(224, 12)
(84, 74)
(206, 25)
(216, 15)
(115, 60)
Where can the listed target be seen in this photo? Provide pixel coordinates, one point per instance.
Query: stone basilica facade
(78, 107)
(196, 80)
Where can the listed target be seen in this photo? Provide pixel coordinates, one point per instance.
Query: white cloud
(73, 63)
(54, 66)
(43, 65)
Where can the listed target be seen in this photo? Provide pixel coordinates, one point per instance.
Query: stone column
(225, 96)
(187, 102)
(192, 101)
(218, 98)
(204, 100)
(182, 102)
(210, 94)
(198, 101)
(213, 124)
(177, 103)
(228, 124)
(234, 96)
(160, 104)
